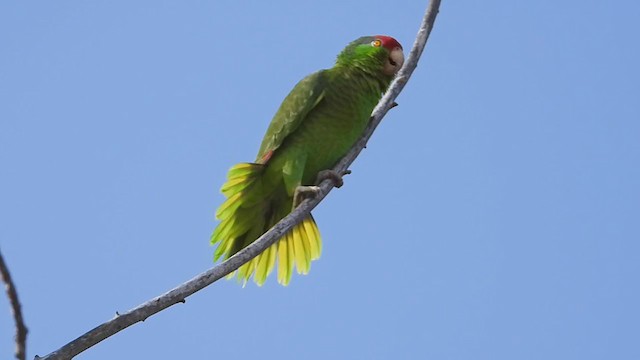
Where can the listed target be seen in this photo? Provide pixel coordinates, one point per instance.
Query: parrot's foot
(332, 175)
(304, 192)
(307, 192)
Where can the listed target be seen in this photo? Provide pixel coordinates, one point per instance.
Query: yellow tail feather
(242, 220)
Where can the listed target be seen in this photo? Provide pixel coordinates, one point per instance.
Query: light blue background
(494, 215)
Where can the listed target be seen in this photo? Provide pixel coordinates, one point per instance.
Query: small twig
(179, 293)
(12, 294)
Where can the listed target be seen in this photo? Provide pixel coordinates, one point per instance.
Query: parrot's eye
(376, 43)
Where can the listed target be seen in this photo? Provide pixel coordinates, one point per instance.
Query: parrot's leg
(304, 192)
(292, 175)
(332, 175)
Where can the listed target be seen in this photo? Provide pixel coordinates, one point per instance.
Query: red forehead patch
(388, 42)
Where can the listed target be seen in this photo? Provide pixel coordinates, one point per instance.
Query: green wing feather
(305, 96)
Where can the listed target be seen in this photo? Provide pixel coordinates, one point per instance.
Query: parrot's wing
(306, 95)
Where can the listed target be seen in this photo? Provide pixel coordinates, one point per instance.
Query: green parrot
(316, 125)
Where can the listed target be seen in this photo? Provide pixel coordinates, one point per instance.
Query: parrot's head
(378, 53)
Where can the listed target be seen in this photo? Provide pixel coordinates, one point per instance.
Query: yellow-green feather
(242, 220)
(313, 234)
(302, 257)
(284, 261)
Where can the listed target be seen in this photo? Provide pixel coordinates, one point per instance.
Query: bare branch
(179, 293)
(12, 294)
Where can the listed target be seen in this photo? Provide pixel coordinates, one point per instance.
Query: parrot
(314, 127)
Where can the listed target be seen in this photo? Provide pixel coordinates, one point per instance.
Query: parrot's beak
(394, 62)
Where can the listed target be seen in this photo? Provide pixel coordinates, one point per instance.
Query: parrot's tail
(248, 213)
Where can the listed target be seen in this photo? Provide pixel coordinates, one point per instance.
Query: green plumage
(314, 127)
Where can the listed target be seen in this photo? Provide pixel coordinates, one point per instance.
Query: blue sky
(494, 215)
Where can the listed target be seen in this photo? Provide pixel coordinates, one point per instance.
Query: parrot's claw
(304, 192)
(332, 175)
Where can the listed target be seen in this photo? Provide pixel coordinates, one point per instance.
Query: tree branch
(12, 294)
(179, 293)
